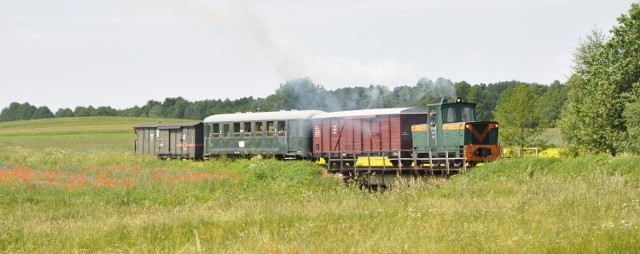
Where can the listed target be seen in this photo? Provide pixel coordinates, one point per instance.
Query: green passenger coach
(282, 134)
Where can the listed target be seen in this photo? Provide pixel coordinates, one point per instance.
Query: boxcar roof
(372, 112)
(263, 116)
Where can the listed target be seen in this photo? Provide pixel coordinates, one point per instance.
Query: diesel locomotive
(446, 132)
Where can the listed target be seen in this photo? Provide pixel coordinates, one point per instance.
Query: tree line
(305, 94)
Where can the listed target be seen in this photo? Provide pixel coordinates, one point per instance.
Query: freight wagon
(174, 140)
(341, 137)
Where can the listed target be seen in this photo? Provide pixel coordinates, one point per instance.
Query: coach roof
(372, 112)
(262, 116)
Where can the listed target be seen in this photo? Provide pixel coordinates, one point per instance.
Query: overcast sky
(122, 53)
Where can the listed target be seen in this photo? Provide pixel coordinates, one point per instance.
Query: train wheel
(406, 163)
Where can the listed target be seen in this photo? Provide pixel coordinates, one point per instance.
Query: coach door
(164, 141)
(433, 127)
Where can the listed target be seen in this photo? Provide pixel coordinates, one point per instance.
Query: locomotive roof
(372, 112)
(263, 116)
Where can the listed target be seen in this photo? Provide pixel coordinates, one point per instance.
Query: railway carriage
(283, 134)
(174, 140)
(452, 131)
(341, 137)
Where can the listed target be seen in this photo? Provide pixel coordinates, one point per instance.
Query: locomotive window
(247, 128)
(468, 114)
(258, 129)
(451, 115)
(146, 135)
(236, 129)
(270, 128)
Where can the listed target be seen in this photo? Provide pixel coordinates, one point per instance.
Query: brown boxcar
(343, 136)
(175, 140)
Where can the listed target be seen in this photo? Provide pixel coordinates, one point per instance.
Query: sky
(122, 53)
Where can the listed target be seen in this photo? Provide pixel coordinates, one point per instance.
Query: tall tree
(607, 77)
(64, 112)
(42, 112)
(519, 120)
(551, 103)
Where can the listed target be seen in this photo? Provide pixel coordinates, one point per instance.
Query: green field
(58, 196)
(80, 134)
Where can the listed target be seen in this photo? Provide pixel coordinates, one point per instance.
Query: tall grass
(62, 192)
(587, 204)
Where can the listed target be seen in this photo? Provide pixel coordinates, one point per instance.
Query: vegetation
(605, 86)
(69, 184)
(304, 94)
(519, 118)
(67, 200)
(79, 134)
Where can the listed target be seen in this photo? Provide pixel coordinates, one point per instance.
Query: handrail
(340, 159)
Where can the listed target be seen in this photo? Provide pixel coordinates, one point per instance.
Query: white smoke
(248, 29)
(290, 61)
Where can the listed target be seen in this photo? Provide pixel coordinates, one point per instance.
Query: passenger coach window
(270, 128)
(225, 130)
(236, 129)
(247, 128)
(258, 129)
(281, 128)
(215, 130)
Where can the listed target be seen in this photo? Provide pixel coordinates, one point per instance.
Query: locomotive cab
(452, 132)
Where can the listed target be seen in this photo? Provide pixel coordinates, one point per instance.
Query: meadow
(58, 196)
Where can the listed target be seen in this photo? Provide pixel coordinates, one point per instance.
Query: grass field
(69, 200)
(78, 134)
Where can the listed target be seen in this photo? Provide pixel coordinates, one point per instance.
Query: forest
(305, 94)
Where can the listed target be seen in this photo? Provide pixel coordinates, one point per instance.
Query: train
(434, 135)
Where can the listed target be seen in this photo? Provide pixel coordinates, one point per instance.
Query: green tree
(605, 81)
(462, 89)
(64, 112)
(476, 94)
(632, 116)
(551, 103)
(42, 112)
(10, 113)
(25, 111)
(518, 118)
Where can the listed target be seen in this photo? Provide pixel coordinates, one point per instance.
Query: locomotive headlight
(496, 125)
(467, 126)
